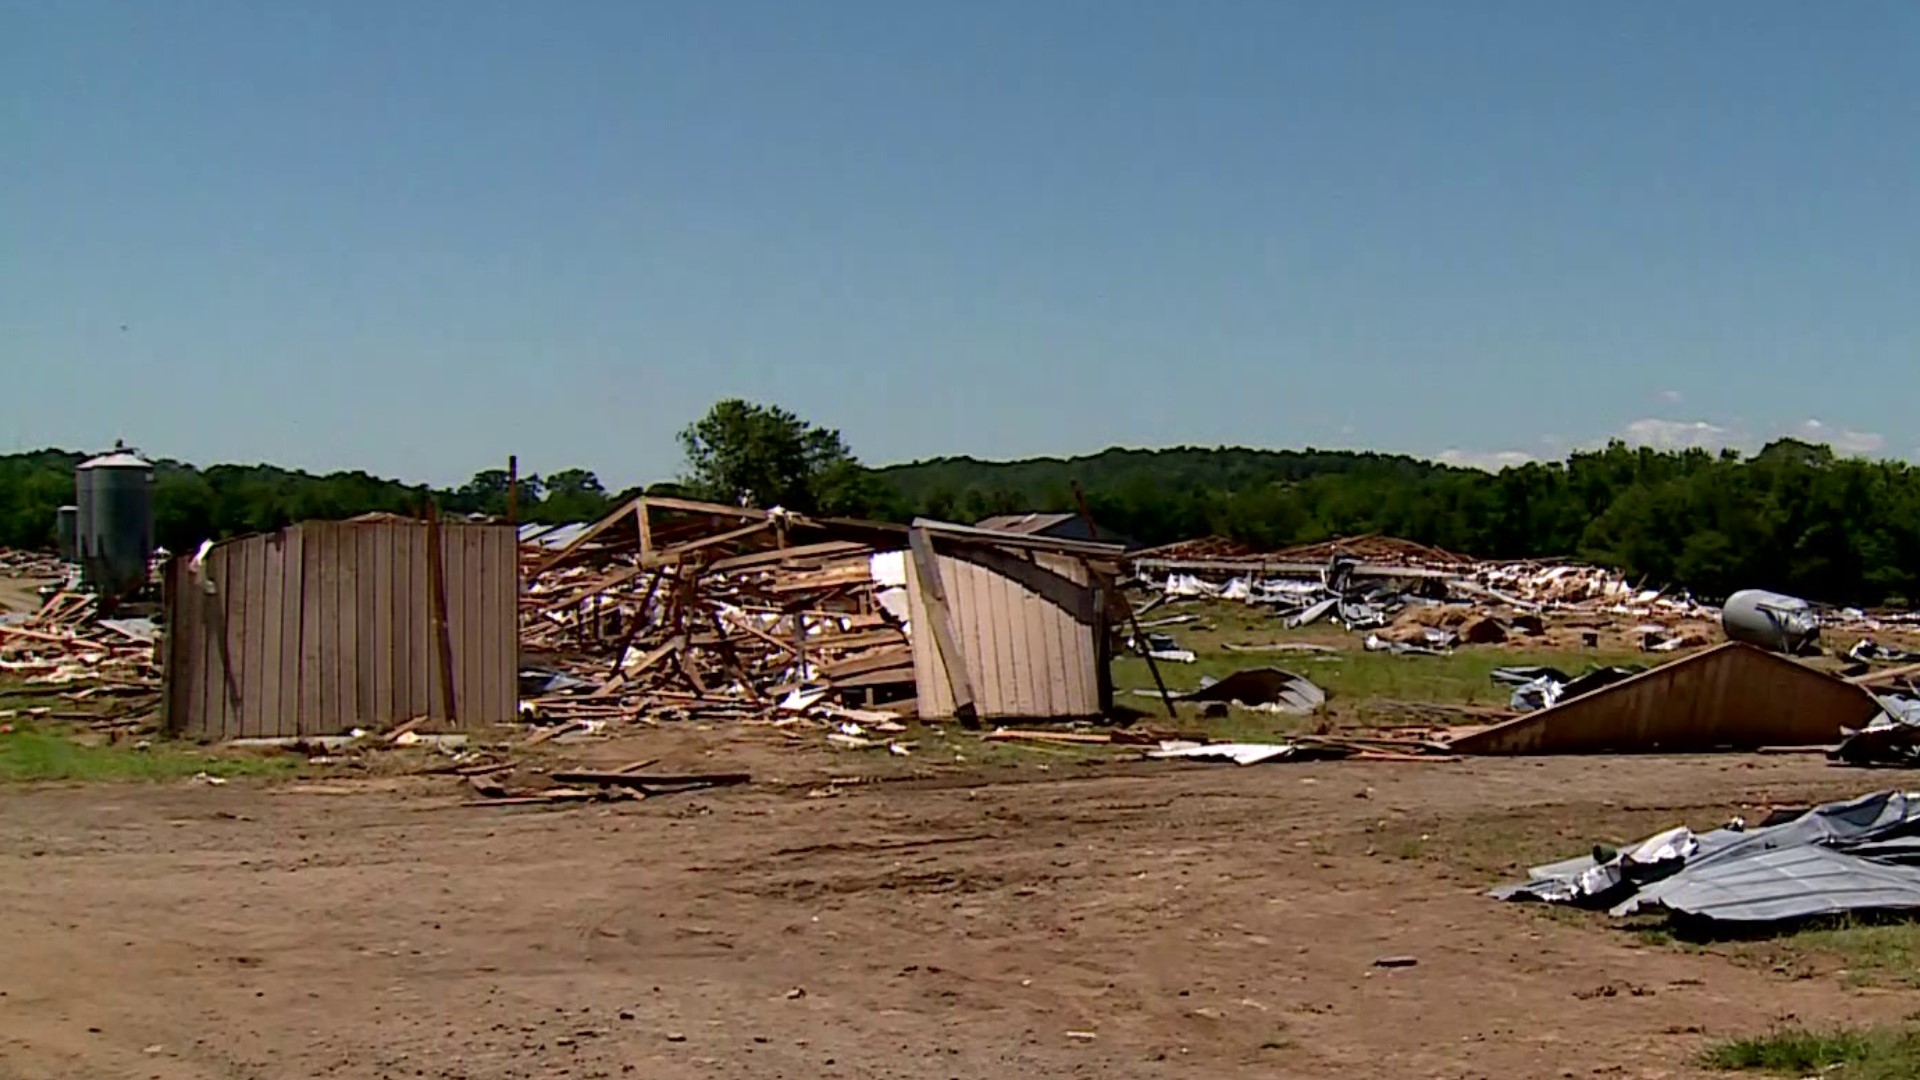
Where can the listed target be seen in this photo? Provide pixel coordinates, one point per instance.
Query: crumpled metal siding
(1859, 855)
(1787, 883)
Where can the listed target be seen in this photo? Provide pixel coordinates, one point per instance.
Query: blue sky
(415, 237)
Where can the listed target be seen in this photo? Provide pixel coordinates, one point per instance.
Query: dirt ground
(19, 594)
(1110, 921)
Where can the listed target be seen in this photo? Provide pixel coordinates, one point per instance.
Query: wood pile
(1372, 548)
(31, 565)
(65, 649)
(1206, 547)
(674, 609)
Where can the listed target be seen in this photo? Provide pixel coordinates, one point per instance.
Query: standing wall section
(324, 627)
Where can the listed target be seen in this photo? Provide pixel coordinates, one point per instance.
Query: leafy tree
(486, 493)
(762, 455)
(572, 495)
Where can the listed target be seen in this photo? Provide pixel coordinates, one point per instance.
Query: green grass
(1845, 1055)
(1356, 681)
(30, 752)
(1871, 952)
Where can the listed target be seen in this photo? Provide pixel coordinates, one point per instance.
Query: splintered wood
(64, 648)
(671, 609)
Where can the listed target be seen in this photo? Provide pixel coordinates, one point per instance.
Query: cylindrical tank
(1779, 623)
(66, 532)
(115, 521)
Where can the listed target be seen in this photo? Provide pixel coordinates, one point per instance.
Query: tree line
(1793, 517)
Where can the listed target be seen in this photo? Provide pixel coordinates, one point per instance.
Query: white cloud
(1664, 434)
(1673, 397)
(1843, 441)
(1484, 460)
(1679, 434)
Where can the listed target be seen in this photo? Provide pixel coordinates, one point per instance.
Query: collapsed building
(674, 607)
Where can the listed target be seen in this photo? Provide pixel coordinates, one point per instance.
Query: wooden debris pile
(65, 648)
(1372, 548)
(669, 608)
(1206, 547)
(1374, 746)
(31, 565)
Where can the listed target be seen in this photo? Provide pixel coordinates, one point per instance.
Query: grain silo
(114, 526)
(66, 530)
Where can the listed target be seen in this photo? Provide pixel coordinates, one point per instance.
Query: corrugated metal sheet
(1840, 857)
(1732, 695)
(327, 626)
(1029, 629)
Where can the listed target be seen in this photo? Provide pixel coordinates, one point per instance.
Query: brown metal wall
(1732, 695)
(327, 626)
(1029, 630)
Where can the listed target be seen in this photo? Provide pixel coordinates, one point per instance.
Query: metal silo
(66, 531)
(1770, 620)
(115, 520)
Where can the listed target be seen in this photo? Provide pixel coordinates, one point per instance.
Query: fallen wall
(1732, 696)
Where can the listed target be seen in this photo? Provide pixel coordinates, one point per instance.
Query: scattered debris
(1541, 687)
(1282, 646)
(652, 784)
(64, 648)
(1263, 689)
(1238, 753)
(1869, 651)
(1856, 856)
(1891, 738)
(1402, 590)
(1305, 748)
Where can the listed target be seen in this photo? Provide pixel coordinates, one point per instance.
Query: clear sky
(413, 237)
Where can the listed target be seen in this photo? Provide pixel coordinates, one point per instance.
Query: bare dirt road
(1166, 922)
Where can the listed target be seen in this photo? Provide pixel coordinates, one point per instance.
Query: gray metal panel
(1787, 883)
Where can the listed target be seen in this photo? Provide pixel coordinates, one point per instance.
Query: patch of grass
(1848, 1055)
(1356, 681)
(1501, 845)
(1874, 952)
(30, 752)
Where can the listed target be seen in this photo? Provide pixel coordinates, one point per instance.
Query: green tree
(745, 454)
(486, 493)
(572, 495)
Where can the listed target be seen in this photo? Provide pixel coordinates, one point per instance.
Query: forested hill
(1151, 495)
(1793, 517)
(1043, 479)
